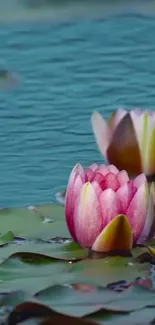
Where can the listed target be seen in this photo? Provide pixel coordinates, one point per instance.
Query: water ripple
(68, 70)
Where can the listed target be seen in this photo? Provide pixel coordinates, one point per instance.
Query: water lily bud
(107, 211)
(127, 140)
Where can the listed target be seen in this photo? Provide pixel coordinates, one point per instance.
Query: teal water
(68, 70)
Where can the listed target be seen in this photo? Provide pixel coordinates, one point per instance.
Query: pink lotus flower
(127, 140)
(106, 211)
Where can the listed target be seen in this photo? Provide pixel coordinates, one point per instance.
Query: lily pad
(142, 316)
(43, 222)
(44, 273)
(18, 275)
(30, 310)
(43, 251)
(6, 238)
(108, 270)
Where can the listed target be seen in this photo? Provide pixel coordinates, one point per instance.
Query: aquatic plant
(127, 140)
(107, 211)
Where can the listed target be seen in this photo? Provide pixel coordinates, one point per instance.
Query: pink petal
(110, 181)
(124, 194)
(137, 111)
(132, 188)
(101, 132)
(74, 184)
(149, 222)
(94, 167)
(97, 188)
(113, 169)
(98, 178)
(71, 197)
(115, 119)
(89, 175)
(103, 169)
(139, 180)
(122, 177)
(87, 216)
(137, 210)
(78, 169)
(110, 205)
(120, 113)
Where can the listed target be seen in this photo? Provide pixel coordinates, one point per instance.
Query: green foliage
(46, 279)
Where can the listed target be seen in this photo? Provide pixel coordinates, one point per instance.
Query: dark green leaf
(70, 251)
(139, 317)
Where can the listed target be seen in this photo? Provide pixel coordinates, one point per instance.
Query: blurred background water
(72, 59)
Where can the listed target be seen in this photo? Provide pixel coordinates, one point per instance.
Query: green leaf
(108, 270)
(14, 298)
(17, 275)
(62, 276)
(70, 299)
(142, 316)
(35, 223)
(70, 251)
(6, 238)
(29, 310)
(33, 284)
(12, 269)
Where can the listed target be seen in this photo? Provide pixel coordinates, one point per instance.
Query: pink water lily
(127, 140)
(106, 211)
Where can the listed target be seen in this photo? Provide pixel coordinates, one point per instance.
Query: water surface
(68, 69)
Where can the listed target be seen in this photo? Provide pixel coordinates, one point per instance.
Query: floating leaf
(108, 270)
(78, 303)
(46, 273)
(29, 310)
(27, 223)
(67, 251)
(6, 238)
(17, 275)
(142, 316)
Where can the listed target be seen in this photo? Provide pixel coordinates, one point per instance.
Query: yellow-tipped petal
(147, 144)
(149, 227)
(116, 236)
(144, 126)
(151, 154)
(87, 216)
(151, 250)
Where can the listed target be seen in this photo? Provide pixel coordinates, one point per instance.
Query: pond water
(68, 69)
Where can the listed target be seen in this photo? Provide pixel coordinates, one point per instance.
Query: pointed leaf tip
(116, 236)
